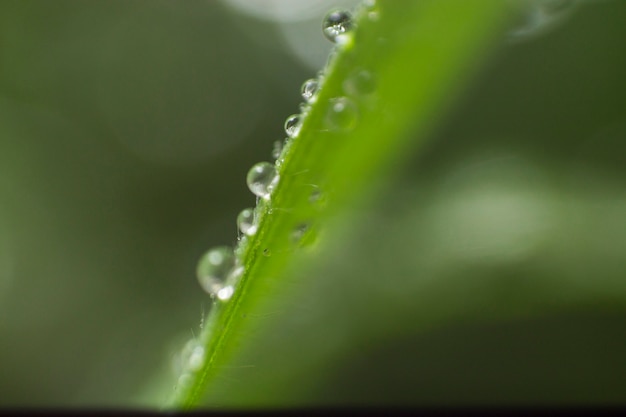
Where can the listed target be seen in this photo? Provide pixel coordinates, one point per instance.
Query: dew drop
(293, 125)
(315, 196)
(342, 114)
(277, 149)
(266, 252)
(360, 83)
(369, 4)
(236, 272)
(246, 222)
(337, 23)
(214, 268)
(196, 358)
(373, 16)
(309, 90)
(371, 9)
(332, 55)
(298, 232)
(261, 179)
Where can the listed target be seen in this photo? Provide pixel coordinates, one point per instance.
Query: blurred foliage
(126, 129)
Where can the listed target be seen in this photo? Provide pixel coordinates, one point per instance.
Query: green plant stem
(419, 54)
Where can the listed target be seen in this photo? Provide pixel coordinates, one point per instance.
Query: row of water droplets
(220, 268)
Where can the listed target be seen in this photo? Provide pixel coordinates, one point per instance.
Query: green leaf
(397, 72)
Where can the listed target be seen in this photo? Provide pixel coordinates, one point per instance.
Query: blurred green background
(126, 130)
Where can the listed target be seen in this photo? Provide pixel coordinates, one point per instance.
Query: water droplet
(537, 16)
(266, 252)
(369, 4)
(236, 273)
(246, 222)
(277, 149)
(298, 232)
(342, 114)
(196, 358)
(261, 179)
(332, 55)
(336, 24)
(372, 12)
(315, 196)
(214, 268)
(361, 82)
(309, 90)
(293, 125)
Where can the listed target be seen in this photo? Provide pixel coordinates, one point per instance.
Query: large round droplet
(309, 90)
(261, 179)
(293, 125)
(337, 23)
(214, 268)
(246, 222)
(342, 114)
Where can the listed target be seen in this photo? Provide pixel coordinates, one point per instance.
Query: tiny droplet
(246, 222)
(369, 4)
(337, 23)
(361, 82)
(261, 179)
(342, 114)
(298, 232)
(277, 149)
(315, 196)
(373, 16)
